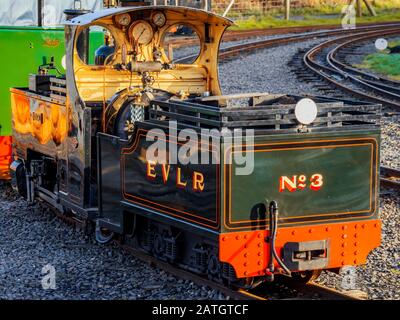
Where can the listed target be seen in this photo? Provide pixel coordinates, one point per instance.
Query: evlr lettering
(197, 178)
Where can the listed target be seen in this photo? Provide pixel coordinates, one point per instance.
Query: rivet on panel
(344, 227)
(363, 225)
(355, 253)
(355, 261)
(356, 244)
(260, 254)
(344, 244)
(224, 238)
(259, 236)
(343, 263)
(376, 225)
(245, 273)
(245, 236)
(245, 246)
(311, 230)
(245, 264)
(327, 229)
(355, 235)
(259, 244)
(355, 226)
(245, 255)
(293, 232)
(237, 237)
(344, 236)
(259, 263)
(343, 254)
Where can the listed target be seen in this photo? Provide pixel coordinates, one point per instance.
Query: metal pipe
(39, 12)
(287, 9)
(228, 8)
(273, 222)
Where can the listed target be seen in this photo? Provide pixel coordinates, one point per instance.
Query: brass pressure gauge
(142, 32)
(159, 19)
(123, 19)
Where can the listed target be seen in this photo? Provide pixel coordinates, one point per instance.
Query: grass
(324, 17)
(384, 63)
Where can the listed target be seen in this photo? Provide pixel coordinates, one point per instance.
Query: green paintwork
(346, 174)
(22, 51)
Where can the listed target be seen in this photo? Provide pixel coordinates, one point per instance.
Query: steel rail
(332, 72)
(390, 177)
(237, 50)
(238, 35)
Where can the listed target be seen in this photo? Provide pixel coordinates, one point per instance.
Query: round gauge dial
(123, 19)
(159, 19)
(142, 32)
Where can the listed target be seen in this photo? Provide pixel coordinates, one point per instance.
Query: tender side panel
(44, 120)
(325, 179)
(189, 192)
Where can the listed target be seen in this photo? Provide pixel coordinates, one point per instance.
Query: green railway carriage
(30, 34)
(23, 49)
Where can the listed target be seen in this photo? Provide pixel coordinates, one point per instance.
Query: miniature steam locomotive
(149, 150)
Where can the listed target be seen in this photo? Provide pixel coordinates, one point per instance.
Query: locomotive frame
(198, 216)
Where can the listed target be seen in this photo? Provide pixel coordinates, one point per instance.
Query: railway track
(390, 177)
(238, 35)
(245, 48)
(269, 291)
(330, 71)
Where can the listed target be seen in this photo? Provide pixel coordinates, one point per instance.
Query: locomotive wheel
(213, 267)
(305, 276)
(159, 247)
(103, 235)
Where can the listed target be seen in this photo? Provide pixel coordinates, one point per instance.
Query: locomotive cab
(137, 64)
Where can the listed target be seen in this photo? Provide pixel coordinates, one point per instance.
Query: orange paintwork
(350, 244)
(20, 113)
(44, 120)
(5, 157)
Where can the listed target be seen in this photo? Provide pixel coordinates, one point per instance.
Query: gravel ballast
(31, 237)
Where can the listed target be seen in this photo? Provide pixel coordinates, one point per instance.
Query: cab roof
(92, 17)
